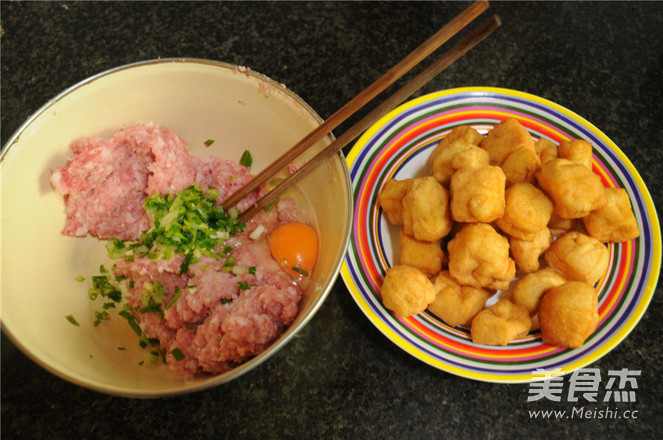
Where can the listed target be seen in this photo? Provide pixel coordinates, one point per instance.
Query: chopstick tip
(497, 19)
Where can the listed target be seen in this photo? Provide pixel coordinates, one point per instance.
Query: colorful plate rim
(397, 145)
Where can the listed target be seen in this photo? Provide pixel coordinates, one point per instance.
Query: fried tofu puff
(576, 150)
(574, 189)
(559, 225)
(455, 304)
(615, 222)
(470, 157)
(442, 167)
(439, 162)
(426, 256)
(568, 314)
(578, 257)
(521, 166)
(505, 138)
(500, 323)
(511, 147)
(391, 199)
(479, 257)
(477, 194)
(527, 211)
(426, 214)
(529, 290)
(546, 149)
(527, 253)
(406, 290)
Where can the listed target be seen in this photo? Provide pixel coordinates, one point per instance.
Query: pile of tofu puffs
(503, 215)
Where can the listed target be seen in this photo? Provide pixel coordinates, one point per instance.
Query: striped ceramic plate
(399, 145)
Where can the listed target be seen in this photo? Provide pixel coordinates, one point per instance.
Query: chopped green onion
(300, 270)
(177, 354)
(268, 207)
(101, 285)
(246, 159)
(208, 142)
(132, 321)
(116, 248)
(152, 308)
(72, 320)
(171, 303)
(243, 285)
(239, 270)
(80, 278)
(252, 270)
(100, 316)
(187, 223)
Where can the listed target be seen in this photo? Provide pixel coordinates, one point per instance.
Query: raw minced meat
(106, 181)
(216, 318)
(214, 323)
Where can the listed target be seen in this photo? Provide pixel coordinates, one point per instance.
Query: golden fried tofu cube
(391, 199)
(546, 149)
(406, 290)
(479, 257)
(578, 257)
(527, 211)
(459, 154)
(500, 323)
(426, 213)
(576, 150)
(470, 157)
(463, 133)
(521, 166)
(560, 225)
(505, 138)
(527, 253)
(568, 314)
(455, 304)
(477, 194)
(529, 290)
(615, 222)
(426, 256)
(575, 190)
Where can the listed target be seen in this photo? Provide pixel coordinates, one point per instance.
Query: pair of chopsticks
(396, 72)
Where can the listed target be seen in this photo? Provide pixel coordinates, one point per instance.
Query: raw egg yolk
(295, 247)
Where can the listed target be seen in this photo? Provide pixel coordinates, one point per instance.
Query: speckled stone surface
(341, 378)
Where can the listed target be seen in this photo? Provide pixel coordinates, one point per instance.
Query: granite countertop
(341, 378)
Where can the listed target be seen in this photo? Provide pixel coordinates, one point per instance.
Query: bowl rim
(284, 338)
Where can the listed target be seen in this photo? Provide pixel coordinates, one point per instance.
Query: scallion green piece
(300, 270)
(177, 354)
(172, 302)
(246, 159)
(72, 320)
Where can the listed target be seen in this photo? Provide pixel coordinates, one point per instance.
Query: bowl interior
(237, 108)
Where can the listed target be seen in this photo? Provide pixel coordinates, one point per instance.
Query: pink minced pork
(106, 181)
(215, 324)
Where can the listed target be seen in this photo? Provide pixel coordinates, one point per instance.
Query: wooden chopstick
(389, 104)
(396, 72)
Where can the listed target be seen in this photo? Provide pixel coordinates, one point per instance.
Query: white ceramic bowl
(199, 100)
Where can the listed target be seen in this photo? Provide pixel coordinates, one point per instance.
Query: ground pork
(106, 181)
(215, 323)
